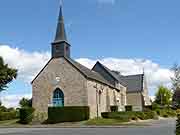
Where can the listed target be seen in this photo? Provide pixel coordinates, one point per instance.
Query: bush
(166, 112)
(26, 115)
(128, 108)
(8, 115)
(178, 111)
(127, 116)
(67, 114)
(155, 106)
(114, 108)
(150, 115)
(121, 116)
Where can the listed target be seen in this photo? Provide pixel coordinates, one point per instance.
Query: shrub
(127, 116)
(25, 102)
(67, 114)
(121, 116)
(128, 108)
(3, 109)
(150, 115)
(140, 115)
(166, 112)
(178, 111)
(8, 115)
(155, 106)
(26, 115)
(114, 108)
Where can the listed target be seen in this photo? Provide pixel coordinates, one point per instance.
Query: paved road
(162, 127)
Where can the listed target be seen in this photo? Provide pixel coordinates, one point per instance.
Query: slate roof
(134, 82)
(89, 73)
(114, 75)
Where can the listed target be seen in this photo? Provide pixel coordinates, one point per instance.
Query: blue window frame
(58, 98)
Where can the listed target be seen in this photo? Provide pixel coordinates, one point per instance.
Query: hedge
(121, 116)
(26, 115)
(67, 114)
(127, 116)
(166, 112)
(8, 115)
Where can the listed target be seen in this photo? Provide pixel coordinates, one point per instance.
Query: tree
(25, 102)
(163, 96)
(7, 74)
(176, 85)
(176, 77)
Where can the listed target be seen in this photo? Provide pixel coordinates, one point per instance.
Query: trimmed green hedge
(8, 115)
(67, 114)
(121, 116)
(127, 116)
(26, 115)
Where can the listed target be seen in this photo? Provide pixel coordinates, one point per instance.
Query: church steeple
(60, 32)
(60, 46)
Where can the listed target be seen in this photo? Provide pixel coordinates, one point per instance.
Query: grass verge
(105, 122)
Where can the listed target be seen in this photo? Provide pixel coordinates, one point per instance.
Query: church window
(58, 98)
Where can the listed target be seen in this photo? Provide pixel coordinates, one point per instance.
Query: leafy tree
(163, 96)
(176, 78)
(25, 102)
(176, 85)
(7, 74)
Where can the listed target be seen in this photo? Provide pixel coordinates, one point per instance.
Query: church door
(58, 98)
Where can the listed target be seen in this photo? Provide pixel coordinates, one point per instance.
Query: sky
(125, 35)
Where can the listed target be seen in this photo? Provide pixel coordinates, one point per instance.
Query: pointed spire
(60, 32)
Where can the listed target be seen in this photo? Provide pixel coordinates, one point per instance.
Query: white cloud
(13, 100)
(155, 74)
(106, 1)
(30, 63)
(27, 63)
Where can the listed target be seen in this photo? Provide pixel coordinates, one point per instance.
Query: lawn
(102, 121)
(8, 122)
(110, 122)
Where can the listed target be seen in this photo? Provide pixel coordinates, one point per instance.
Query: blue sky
(96, 29)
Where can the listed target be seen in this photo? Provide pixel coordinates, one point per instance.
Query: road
(162, 127)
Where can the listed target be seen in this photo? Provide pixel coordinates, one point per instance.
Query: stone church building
(65, 82)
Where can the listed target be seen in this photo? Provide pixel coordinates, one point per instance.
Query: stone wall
(107, 97)
(136, 100)
(70, 81)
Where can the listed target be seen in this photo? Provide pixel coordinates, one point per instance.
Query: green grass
(104, 122)
(8, 122)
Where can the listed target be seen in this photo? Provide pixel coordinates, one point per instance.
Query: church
(65, 82)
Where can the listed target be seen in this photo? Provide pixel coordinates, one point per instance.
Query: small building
(65, 82)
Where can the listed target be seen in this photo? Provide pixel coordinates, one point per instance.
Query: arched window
(58, 98)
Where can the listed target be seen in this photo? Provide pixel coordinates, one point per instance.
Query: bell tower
(60, 46)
